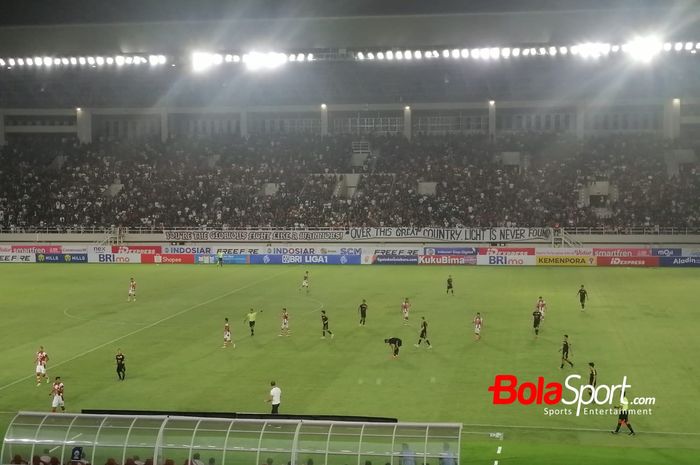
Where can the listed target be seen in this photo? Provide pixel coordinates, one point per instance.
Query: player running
(592, 376)
(405, 308)
(324, 322)
(121, 365)
(41, 359)
(305, 282)
(565, 349)
(284, 329)
(478, 323)
(57, 394)
(423, 333)
(536, 320)
(541, 305)
(582, 297)
(450, 289)
(227, 335)
(362, 310)
(131, 296)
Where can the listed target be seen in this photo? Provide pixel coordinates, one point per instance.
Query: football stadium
(247, 232)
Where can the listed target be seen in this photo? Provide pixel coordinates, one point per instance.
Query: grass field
(642, 323)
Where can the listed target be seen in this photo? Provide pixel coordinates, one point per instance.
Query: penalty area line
(155, 323)
(558, 428)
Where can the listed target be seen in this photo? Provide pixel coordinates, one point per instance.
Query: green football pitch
(639, 323)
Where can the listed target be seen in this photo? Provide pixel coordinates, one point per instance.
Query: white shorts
(132, 292)
(40, 369)
(405, 313)
(227, 336)
(304, 284)
(285, 324)
(477, 330)
(57, 401)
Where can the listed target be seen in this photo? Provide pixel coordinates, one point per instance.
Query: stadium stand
(616, 181)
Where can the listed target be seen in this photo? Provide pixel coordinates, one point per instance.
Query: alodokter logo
(572, 392)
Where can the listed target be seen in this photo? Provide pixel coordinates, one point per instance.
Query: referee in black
(592, 376)
(536, 320)
(565, 347)
(121, 366)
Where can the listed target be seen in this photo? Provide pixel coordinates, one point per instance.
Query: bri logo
(506, 391)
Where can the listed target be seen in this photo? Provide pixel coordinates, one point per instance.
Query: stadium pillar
(492, 119)
(2, 130)
(672, 119)
(324, 120)
(244, 123)
(83, 119)
(164, 133)
(407, 129)
(580, 123)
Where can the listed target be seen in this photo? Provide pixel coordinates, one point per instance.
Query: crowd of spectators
(298, 181)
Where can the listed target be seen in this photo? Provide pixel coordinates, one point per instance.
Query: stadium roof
(179, 26)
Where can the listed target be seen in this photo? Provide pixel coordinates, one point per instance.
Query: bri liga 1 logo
(572, 392)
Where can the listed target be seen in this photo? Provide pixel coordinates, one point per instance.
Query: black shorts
(536, 324)
(251, 324)
(592, 382)
(449, 286)
(363, 314)
(565, 354)
(121, 368)
(582, 299)
(423, 335)
(325, 327)
(220, 260)
(623, 416)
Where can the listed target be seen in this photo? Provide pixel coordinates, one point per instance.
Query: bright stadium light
(99, 61)
(236, 59)
(82, 60)
(615, 48)
(20, 61)
(2, 62)
(30, 62)
(408, 55)
(127, 60)
(563, 50)
(485, 54)
(417, 54)
(553, 51)
(216, 59)
(109, 60)
(526, 52)
(73, 61)
(678, 46)
(516, 52)
(475, 53)
(323, 106)
(310, 57)
(380, 55)
(64, 61)
(370, 56)
(301, 57)
(360, 56)
(57, 61)
(399, 55)
(162, 59)
(255, 61)
(48, 61)
(454, 53)
(643, 49)
(505, 52)
(292, 57)
(389, 55)
(542, 51)
(688, 46)
(119, 60)
(445, 53)
(201, 61)
(495, 53)
(464, 53)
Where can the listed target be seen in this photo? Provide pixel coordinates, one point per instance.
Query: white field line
(556, 428)
(155, 323)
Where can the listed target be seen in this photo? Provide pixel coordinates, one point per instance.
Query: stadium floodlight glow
(360, 56)
(678, 46)
(216, 59)
(495, 53)
(82, 60)
(516, 52)
(505, 52)
(563, 50)
(454, 53)
(100, 61)
(475, 53)
(236, 59)
(389, 55)
(119, 60)
(526, 52)
(162, 59)
(64, 61)
(553, 51)
(73, 61)
(57, 61)
(201, 61)
(445, 53)
(380, 55)
(109, 60)
(616, 48)
(30, 62)
(407, 108)
(310, 57)
(38, 61)
(643, 49)
(2, 62)
(533, 51)
(485, 54)
(127, 60)
(417, 54)
(370, 56)
(255, 61)
(542, 51)
(688, 46)
(301, 57)
(435, 54)
(293, 57)
(408, 55)
(323, 106)
(228, 58)
(399, 55)
(20, 61)
(464, 53)
(48, 61)
(492, 103)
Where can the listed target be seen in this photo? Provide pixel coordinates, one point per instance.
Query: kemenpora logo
(575, 396)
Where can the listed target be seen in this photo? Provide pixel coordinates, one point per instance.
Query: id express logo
(506, 391)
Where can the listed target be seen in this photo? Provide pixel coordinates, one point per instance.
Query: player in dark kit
(582, 297)
(623, 417)
(121, 366)
(423, 333)
(395, 344)
(362, 309)
(324, 320)
(536, 320)
(565, 348)
(450, 289)
(592, 376)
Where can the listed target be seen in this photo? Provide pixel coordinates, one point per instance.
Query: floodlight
(445, 53)
(64, 61)
(505, 52)
(688, 46)
(38, 61)
(526, 52)
(73, 60)
(407, 108)
(418, 54)
(516, 52)
(476, 53)
(380, 55)
(82, 60)
(236, 59)
(485, 54)
(310, 57)
(370, 56)
(109, 60)
(293, 57)
(256, 60)
(100, 61)
(399, 55)
(216, 59)
(454, 53)
(492, 103)
(643, 49)
(2, 62)
(616, 48)
(495, 53)
(408, 55)
(323, 106)
(201, 61)
(678, 46)
(360, 56)
(162, 59)
(78, 109)
(20, 61)
(56, 61)
(48, 61)
(389, 55)
(552, 51)
(119, 60)
(563, 50)
(435, 54)
(542, 51)
(128, 60)
(533, 51)
(30, 62)
(301, 57)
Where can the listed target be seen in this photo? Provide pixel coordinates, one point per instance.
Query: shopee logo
(506, 391)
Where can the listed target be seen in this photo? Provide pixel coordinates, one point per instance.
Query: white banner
(569, 251)
(17, 257)
(501, 235)
(506, 260)
(114, 258)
